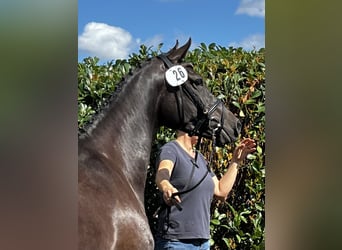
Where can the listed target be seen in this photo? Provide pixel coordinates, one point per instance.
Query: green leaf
(256, 94)
(251, 157)
(243, 219)
(236, 104)
(250, 101)
(215, 222)
(226, 241)
(238, 238)
(259, 207)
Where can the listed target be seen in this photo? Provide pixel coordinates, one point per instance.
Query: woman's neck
(185, 143)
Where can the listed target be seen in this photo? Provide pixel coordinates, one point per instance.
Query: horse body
(114, 155)
(112, 172)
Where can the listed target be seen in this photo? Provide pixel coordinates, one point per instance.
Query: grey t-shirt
(193, 222)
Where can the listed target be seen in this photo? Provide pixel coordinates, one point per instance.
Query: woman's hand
(245, 147)
(168, 198)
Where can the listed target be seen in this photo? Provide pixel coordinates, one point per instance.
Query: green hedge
(238, 77)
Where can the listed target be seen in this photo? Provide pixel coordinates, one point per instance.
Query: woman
(184, 220)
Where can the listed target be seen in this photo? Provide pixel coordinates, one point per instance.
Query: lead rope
(178, 206)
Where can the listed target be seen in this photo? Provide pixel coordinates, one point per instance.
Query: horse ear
(173, 49)
(176, 55)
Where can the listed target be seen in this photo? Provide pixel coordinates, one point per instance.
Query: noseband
(205, 112)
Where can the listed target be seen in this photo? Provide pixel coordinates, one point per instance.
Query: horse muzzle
(225, 130)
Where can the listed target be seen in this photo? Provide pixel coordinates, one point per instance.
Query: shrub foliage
(238, 77)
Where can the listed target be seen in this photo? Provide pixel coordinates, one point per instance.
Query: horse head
(188, 105)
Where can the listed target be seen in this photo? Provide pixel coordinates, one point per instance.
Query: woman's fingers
(177, 199)
(246, 146)
(169, 198)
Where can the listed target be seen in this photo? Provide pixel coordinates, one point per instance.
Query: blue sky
(113, 30)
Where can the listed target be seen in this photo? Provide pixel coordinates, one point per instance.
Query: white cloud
(252, 8)
(251, 42)
(105, 41)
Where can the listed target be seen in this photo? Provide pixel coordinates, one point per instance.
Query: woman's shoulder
(169, 148)
(168, 152)
(170, 144)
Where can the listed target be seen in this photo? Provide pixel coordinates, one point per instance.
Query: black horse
(114, 152)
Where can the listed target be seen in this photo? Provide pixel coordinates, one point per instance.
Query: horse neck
(127, 129)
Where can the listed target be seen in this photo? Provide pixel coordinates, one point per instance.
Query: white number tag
(176, 75)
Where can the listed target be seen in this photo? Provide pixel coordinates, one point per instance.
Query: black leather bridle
(204, 114)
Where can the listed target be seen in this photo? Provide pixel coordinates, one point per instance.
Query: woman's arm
(225, 184)
(163, 181)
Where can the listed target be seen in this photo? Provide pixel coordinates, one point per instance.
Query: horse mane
(103, 109)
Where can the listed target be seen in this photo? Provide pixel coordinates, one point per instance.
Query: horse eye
(198, 81)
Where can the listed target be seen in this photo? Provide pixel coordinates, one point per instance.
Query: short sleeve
(167, 152)
(212, 174)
